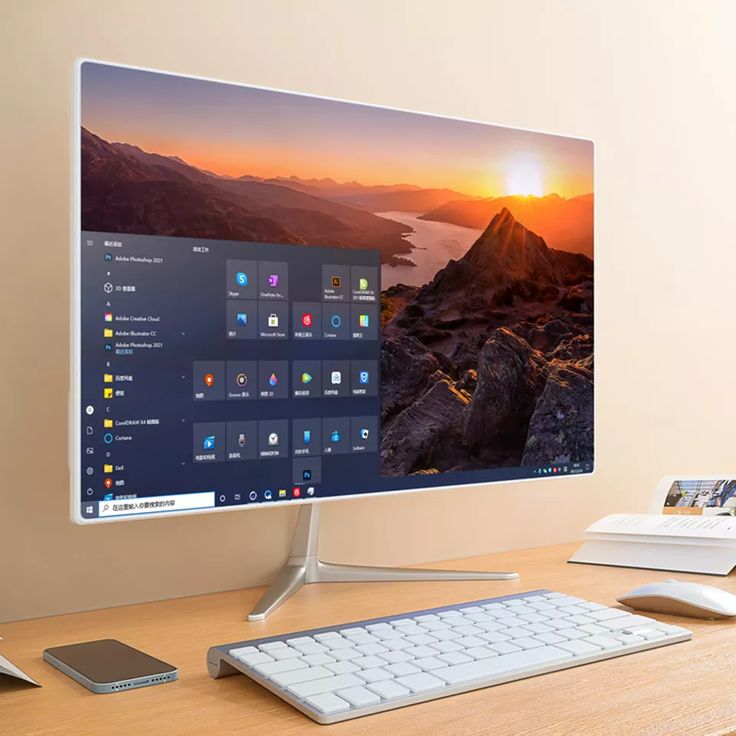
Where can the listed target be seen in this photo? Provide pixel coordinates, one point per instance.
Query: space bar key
(504, 663)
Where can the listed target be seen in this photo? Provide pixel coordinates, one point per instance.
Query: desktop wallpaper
(485, 236)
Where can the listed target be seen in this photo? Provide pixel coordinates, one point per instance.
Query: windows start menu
(218, 373)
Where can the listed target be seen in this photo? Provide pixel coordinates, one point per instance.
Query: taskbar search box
(150, 505)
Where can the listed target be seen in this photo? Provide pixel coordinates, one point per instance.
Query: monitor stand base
(304, 566)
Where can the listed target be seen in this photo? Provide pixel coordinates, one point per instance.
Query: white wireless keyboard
(355, 669)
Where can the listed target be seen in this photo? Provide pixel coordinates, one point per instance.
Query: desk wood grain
(680, 690)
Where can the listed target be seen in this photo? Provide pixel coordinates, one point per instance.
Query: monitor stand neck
(304, 566)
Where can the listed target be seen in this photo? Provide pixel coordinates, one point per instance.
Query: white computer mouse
(681, 599)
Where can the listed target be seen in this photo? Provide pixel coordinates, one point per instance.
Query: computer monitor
(280, 298)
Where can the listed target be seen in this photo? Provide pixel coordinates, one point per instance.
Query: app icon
(208, 442)
(267, 495)
(364, 320)
(108, 438)
(306, 319)
(108, 316)
(364, 377)
(306, 474)
(273, 320)
(335, 436)
(241, 278)
(306, 378)
(241, 440)
(241, 379)
(107, 332)
(273, 380)
(282, 492)
(364, 433)
(273, 439)
(273, 280)
(336, 321)
(107, 377)
(253, 496)
(107, 483)
(336, 378)
(336, 282)
(107, 468)
(108, 256)
(363, 284)
(108, 287)
(107, 423)
(209, 379)
(107, 497)
(310, 491)
(108, 347)
(307, 436)
(241, 319)
(107, 393)
(296, 492)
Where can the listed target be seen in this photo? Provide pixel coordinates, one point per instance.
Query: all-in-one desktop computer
(284, 299)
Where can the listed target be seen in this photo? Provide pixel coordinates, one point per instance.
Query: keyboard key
(314, 659)
(282, 665)
(401, 655)
(371, 648)
(605, 614)
(540, 628)
(344, 654)
(328, 703)
(373, 628)
(359, 696)
(468, 629)
(352, 631)
(572, 610)
(293, 676)
(284, 653)
(604, 642)
(421, 682)
(494, 666)
(550, 638)
(337, 643)
(242, 650)
(366, 663)
(515, 632)
(470, 641)
(527, 642)
(627, 638)
(578, 620)
(579, 648)
(422, 651)
(401, 668)
(342, 668)
(454, 657)
(504, 647)
(388, 634)
(394, 645)
(375, 674)
(647, 632)
(448, 646)
(326, 636)
(429, 663)
(421, 639)
(593, 629)
(493, 637)
(471, 609)
(255, 658)
(445, 635)
(300, 640)
(324, 685)
(388, 689)
(426, 617)
(435, 625)
(310, 647)
(480, 652)
(572, 633)
(271, 645)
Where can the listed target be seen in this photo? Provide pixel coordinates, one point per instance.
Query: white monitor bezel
(74, 411)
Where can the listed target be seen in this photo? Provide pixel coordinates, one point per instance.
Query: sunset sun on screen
(524, 176)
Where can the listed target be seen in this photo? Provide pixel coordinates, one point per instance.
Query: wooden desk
(684, 689)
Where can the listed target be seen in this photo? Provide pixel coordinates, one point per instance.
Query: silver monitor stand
(304, 566)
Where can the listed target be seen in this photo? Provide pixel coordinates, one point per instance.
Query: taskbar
(116, 507)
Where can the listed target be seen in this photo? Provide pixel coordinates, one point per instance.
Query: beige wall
(650, 82)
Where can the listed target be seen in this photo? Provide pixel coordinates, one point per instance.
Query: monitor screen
(280, 297)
